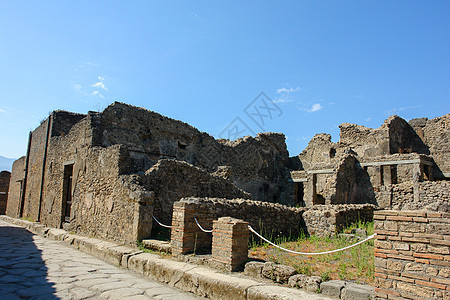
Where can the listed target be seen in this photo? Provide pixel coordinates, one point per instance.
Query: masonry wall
(172, 180)
(4, 187)
(14, 194)
(257, 163)
(326, 220)
(412, 257)
(425, 195)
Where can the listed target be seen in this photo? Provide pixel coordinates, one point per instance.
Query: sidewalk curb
(187, 277)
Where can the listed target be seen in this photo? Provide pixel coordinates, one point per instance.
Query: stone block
(358, 292)
(278, 273)
(332, 288)
(254, 269)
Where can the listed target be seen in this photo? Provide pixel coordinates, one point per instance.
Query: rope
(304, 253)
(167, 226)
(201, 228)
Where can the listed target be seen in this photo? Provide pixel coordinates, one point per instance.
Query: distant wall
(4, 187)
(15, 188)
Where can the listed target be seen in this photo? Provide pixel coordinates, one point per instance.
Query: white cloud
(313, 108)
(281, 100)
(397, 110)
(100, 83)
(2, 110)
(97, 93)
(287, 90)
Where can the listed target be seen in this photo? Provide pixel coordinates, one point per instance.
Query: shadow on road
(23, 274)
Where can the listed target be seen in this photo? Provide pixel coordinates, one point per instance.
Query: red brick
(422, 261)
(378, 250)
(431, 284)
(416, 276)
(434, 214)
(386, 212)
(379, 217)
(420, 220)
(408, 234)
(415, 240)
(428, 255)
(399, 218)
(440, 263)
(380, 255)
(386, 232)
(440, 242)
(412, 213)
(441, 280)
(388, 292)
(399, 278)
(380, 275)
(428, 235)
(380, 237)
(402, 257)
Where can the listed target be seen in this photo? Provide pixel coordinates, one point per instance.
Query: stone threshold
(199, 280)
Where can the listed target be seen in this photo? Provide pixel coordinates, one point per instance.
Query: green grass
(355, 264)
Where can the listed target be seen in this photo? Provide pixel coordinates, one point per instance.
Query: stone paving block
(332, 288)
(122, 293)
(103, 287)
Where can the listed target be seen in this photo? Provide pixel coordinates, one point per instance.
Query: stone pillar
(230, 242)
(142, 225)
(186, 236)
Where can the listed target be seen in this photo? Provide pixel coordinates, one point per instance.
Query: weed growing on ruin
(355, 264)
(142, 247)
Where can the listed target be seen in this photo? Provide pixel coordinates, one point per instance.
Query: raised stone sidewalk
(200, 280)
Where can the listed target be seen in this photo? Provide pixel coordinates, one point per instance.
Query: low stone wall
(325, 220)
(412, 257)
(267, 218)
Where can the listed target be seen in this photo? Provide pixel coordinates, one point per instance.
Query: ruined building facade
(393, 167)
(106, 174)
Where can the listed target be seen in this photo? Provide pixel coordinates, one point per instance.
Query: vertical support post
(230, 242)
(143, 215)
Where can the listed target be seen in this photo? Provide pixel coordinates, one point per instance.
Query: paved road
(32, 267)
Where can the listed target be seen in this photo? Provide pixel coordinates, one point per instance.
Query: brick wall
(412, 256)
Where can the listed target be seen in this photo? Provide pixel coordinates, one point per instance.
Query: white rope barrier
(167, 226)
(316, 253)
(201, 228)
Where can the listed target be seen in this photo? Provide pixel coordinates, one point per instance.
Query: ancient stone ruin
(107, 174)
(4, 187)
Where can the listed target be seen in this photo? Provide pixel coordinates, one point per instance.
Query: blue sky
(320, 63)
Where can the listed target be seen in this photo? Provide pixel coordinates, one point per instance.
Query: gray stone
(358, 292)
(332, 288)
(278, 273)
(254, 269)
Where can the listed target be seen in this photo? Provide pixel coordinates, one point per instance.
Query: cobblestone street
(32, 267)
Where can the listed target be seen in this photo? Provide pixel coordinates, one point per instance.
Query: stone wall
(270, 219)
(4, 187)
(257, 163)
(426, 195)
(15, 188)
(274, 220)
(172, 180)
(435, 134)
(327, 220)
(412, 257)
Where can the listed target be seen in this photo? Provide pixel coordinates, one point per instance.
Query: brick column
(230, 242)
(186, 236)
